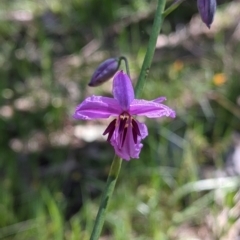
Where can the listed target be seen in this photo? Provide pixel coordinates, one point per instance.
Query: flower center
(122, 125)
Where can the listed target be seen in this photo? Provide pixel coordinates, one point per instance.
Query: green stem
(122, 58)
(157, 24)
(172, 7)
(107, 194)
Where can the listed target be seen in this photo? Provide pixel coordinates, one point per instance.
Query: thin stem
(157, 24)
(172, 7)
(107, 194)
(126, 64)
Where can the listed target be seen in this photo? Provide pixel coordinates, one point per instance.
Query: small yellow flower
(178, 65)
(219, 79)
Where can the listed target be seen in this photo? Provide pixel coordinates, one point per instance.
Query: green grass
(170, 192)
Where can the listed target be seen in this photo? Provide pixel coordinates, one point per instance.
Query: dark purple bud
(104, 72)
(207, 10)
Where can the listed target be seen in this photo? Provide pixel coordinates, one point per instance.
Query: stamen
(110, 129)
(135, 127)
(122, 124)
(124, 135)
(134, 135)
(126, 120)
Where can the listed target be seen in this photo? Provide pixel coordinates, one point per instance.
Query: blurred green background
(53, 168)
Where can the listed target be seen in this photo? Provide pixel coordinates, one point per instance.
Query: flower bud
(207, 10)
(104, 72)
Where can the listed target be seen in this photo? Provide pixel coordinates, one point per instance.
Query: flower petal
(207, 9)
(150, 109)
(97, 107)
(104, 72)
(160, 99)
(129, 149)
(143, 129)
(123, 90)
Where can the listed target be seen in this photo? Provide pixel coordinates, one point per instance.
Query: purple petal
(160, 99)
(207, 9)
(123, 90)
(150, 109)
(104, 72)
(143, 129)
(129, 149)
(95, 107)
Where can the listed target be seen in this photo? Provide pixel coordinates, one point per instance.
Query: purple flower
(104, 72)
(207, 9)
(124, 133)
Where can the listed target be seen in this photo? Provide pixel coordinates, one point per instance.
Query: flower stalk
(157, 24)
(172, 7)
(107, 194)
(122, 58)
